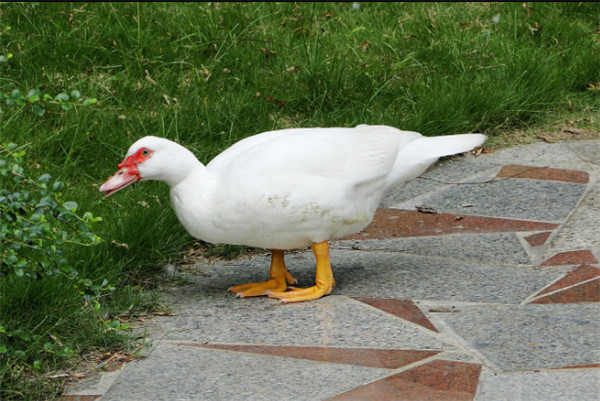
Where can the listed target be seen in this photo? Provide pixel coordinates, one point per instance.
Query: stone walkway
(490, 292)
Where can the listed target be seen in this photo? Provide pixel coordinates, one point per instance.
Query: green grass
(208, 75)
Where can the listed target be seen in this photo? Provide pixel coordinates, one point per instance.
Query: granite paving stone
(404, 309)
(331, 321)
(385, 275)
(395, 223)
(437, 380)
(581, 230)
(576, 276)
(184, 373)
(501, 248)
(571, 258)
(578, 385)
(514, 198)
(401, 276)
(375, 358)
(580, 293)
(443, 176)
(528, 337)
(578, 155)
(538, 239)
(544, 173)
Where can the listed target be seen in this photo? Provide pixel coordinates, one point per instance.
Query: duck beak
(121, 179)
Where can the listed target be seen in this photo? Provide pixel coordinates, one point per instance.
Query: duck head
(151, 158)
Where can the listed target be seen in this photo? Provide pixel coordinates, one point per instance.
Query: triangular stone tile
(582, 273)
(394, 223)
(571, 258)
(404, 309)
(544, 173)
(374, 358)
(582, 293)
(437, 380)
(538, 239)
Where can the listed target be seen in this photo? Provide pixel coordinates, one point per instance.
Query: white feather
(291, 188)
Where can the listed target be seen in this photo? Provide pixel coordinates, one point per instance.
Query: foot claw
(259, 289)
(300, 294)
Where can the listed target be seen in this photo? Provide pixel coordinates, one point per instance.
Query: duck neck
(192, 200)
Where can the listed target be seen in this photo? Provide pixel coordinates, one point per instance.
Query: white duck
(286, 189)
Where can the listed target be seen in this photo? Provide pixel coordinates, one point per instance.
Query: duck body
(289, 188)
(292, 188)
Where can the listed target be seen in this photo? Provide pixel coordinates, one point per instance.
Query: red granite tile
(71, 397)
(404, 309)
(582, 273)
(571, 258)
(538, 239)
(434, 381)
(395, 223)
(375, 358)
(590, 366)
(544, 173)
(586, 292)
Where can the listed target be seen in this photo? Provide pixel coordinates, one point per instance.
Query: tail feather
(419, 154)
(440, 146)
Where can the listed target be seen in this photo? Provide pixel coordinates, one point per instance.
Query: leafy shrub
(36, 222)
(36, 228)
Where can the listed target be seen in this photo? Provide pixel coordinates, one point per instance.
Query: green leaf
(90, 100)
(44, 178)
(66, 106)
(71, 205)
(35, 217)
(39, 110)
(114, 324)
(66, 269)
(45, 201)
(75, 95)
(57, 186)
(62, 97)
(33, 95)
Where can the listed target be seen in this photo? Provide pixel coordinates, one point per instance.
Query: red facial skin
(128, 172)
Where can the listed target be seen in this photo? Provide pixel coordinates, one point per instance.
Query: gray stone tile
(394, 275)
(386, 275)
(527, 337)
(510, 198)
(573, 385)
(443, 175)
(183, 373)
(575, 155)
(502, 248)
(582, 229)
(587, 153)
(579, 155)
(95, 384)
(330, 321)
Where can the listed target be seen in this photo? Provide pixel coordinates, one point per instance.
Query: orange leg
(278, 281)
(324, 279)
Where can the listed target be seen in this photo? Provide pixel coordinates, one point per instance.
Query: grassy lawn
(209, 74)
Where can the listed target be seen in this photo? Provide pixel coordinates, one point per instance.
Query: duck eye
(145, 152)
